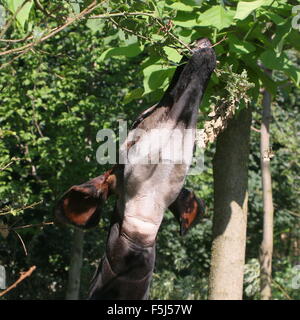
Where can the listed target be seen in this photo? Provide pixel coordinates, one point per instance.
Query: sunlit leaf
(217, 17)
(185, 19)
(155, 76)
(180, 6)
(23, 10)
(128, 51)
(239, 46)
(172, 54)
(245, 8)
(95, 24)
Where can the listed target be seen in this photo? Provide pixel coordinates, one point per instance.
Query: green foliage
(52, 107)
(21, 10)
(244, 9)
(252, 278)
(129, 51)
(285, 173)
(217, 17)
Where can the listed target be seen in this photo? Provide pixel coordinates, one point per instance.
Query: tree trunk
(75, 266)
(230, 166)
(266, 248)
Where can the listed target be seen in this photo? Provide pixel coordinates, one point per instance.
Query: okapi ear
(81, 205)
(187, 209)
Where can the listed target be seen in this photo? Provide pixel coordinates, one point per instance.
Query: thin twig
(282, 289)
(173, 36)
(23, 49)
(34, 225)
(9, 164)
(23, 275)
(7, 211)
(28, 37)
(122, 14)
(296, 214)
(223, 39)
(23, 244)
(254, 129)
(293, 213)
(149, 14)
(28, 226)
(14, 58)
(130, 31)
(44, 10)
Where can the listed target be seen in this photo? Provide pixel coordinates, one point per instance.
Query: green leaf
(75, 7)
(131, 39)
(293, 73)
(159, 8)
(128, 51)
(258, 73)
(121, 34)
(217, 17)
(281, 62)
(132, 95)
(23, 14)
(172, 54)
(293, 39)
(239, 46)
(95, 25)
(107, 40)
(186, 35)
(185, 19)
(156, 77)
(281, 34)
(180, 6)
(272, 61)
(274, 17)
(245, 8)
(2, 16)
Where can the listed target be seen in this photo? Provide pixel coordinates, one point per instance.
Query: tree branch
(34, 225)
(54, 31)
(122, 14)
(8, 210)
(23, 276)
(282, 289)
(22, 242)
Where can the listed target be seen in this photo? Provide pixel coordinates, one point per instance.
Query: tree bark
(230, 167)
(266, 249)
(75, 266)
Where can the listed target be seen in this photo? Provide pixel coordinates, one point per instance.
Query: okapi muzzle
(144, 191)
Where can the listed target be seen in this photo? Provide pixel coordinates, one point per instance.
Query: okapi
(144, 191)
